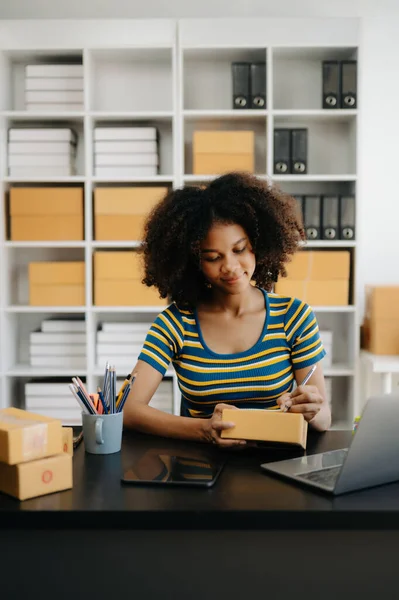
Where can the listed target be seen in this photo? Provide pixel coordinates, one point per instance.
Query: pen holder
(102, 434)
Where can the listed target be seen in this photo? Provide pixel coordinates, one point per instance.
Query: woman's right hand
(214, 426)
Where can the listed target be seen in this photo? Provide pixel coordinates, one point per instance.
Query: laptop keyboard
(326, 477)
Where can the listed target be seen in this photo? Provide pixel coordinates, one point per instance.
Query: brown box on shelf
(380, 331)
(117, 280)
(37, 477)
(119, 213)
(382, 301)
(57, 283)
(26, 436)
(315, 293)
(217, 152)
(40, 214)
(266, 425)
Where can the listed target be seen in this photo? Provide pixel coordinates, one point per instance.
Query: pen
(304, 382)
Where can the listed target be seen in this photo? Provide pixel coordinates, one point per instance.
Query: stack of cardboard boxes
(35, 454)
(117, 280)
(57, 283)
(216, 152)
(320, 278)
(120, 212)
(380, 331)
(46, 213)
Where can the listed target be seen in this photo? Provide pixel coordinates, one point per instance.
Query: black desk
(250, 531)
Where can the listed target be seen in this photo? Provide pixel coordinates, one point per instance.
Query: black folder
(349, 84)
(312, 217)
(331, 84)
(347, 216)
(330, 217)
(299, 151)
(241, 84)
(282, 151)
(258, 85)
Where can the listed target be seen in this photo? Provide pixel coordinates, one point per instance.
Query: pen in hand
(303, 382)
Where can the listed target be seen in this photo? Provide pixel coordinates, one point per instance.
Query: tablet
(165, 469)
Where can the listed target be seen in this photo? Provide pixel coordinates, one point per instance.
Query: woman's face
(227, 259)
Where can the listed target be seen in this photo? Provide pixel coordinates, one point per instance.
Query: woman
(215, 252)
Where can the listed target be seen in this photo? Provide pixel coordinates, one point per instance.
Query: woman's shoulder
(177, 313)
(290, 304)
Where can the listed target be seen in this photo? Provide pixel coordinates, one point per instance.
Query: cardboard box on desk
(317, 277)
(57, 283)
(26, 436)
(39, 214)
(117, 281)
(217, 152)
(37, 477)
(266, 426)
(119, 213)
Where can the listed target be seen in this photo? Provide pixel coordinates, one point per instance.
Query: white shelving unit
(177, 77)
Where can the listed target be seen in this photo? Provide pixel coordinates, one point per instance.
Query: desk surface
(244, 497)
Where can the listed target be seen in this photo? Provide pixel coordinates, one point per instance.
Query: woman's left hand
(305, 399)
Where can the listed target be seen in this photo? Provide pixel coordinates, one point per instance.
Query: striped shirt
(254, 378)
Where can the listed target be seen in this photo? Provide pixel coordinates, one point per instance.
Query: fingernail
(288, 404)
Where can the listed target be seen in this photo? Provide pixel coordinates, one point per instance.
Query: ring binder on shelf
(349, 84)
(330, 217)
(331, 84)
(258, 85)
(241, 84)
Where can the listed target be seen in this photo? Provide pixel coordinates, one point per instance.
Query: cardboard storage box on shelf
(380, 330)
(39, 214)
(25, 436)
(119, 213)
(217, 152)
(319, 278)
(57, 283)
(266, 426)
(37, 477)
(117, 280)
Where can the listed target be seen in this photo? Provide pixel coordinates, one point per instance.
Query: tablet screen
(179, 469)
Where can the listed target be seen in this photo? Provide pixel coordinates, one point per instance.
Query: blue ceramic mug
(102, 434)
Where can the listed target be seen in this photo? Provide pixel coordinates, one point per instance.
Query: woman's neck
(236, 304)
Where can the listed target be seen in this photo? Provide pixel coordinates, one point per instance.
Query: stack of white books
(52, 398)
(59, 343)
(54, 87)
(120, 344)
(163, 397)
(327, 341)
(125, 151)
(44, 151)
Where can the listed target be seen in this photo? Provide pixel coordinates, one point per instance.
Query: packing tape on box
(34, 435)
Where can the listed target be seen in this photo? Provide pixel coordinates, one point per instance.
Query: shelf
(131, 116)
(129, 309)
(335, 309)
(25, 115)
(116, 244)
(329, 244)
(46, 179)
(29, 371)
(45, 309)
(341, 115)
(339, 370)
(45, 244)
(134, 179)
(315, 178)
(225, 114)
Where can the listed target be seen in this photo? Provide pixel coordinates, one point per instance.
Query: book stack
(163, 397)
(125, 151)
(327, 341)
(44, 151)
(59, 343)
(51, 397)
(53, 87)
(120, 343)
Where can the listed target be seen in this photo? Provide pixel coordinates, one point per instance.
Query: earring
(208, 285)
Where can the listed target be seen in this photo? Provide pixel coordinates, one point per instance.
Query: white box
(111, 327)
(53, 83)
(40, 337)
(48, 96)
(63, 325)
(57, 349)
(76, 362)
(119, 349)
(40, 148)
(125, 172)
(42, 402)
(41, 134)
(67, 416)
(44, 388)
(53, 107)
(125, 133)
(54, 70)
(145, 147)
(41, 171)
(121, 160)
(40, 160)
(120, 338)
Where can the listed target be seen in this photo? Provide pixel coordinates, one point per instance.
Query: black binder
(282, 151)
(312, 217)
(330, 217)
(299, 151)
(349, 84)
(258, 85)
(241, 84)
(331, 84)
(347, 216)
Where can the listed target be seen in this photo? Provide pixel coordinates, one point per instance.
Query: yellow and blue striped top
(254, 378)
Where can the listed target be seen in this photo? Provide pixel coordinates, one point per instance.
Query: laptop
(371, 459)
